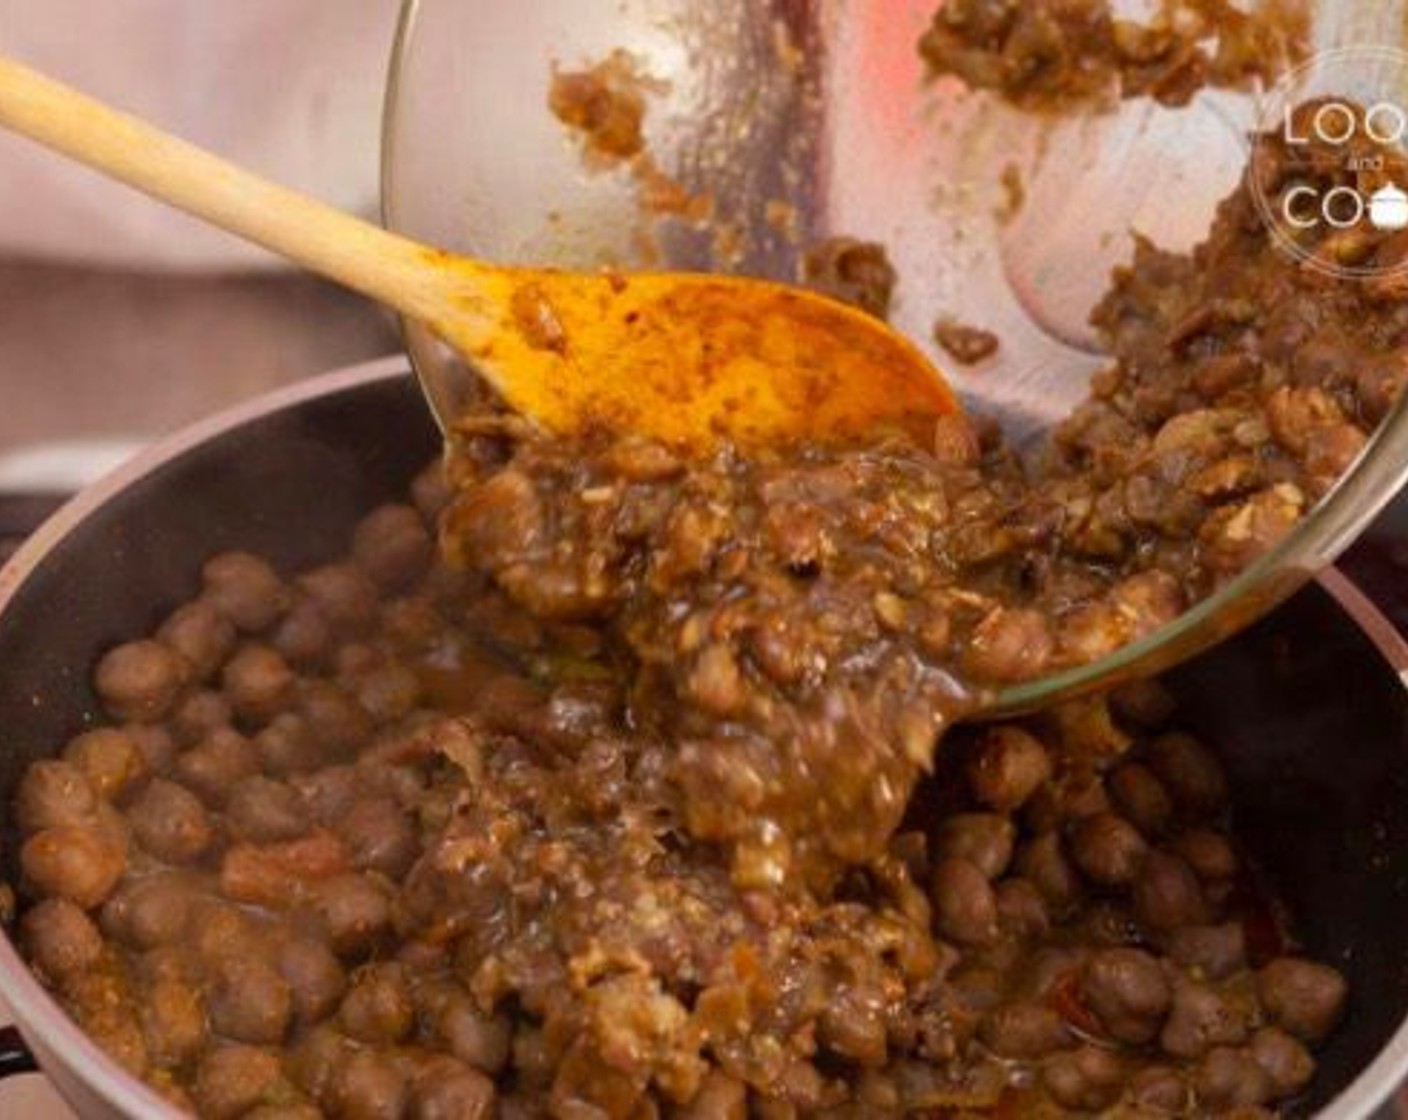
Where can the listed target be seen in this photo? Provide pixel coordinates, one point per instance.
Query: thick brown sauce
(802, 625)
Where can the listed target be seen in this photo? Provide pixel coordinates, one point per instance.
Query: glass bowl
(802, 120)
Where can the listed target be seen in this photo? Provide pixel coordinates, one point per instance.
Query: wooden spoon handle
(388, 268)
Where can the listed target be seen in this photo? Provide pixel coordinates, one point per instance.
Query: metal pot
(1310, 705)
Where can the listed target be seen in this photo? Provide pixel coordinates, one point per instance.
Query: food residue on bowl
(966, 344)
(1058, 54)
(854, 271)
(605, 106)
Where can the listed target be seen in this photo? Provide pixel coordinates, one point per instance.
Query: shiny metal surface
(843, 128)
(1310, 704)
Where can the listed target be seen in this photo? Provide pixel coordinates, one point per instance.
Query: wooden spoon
(686, 358)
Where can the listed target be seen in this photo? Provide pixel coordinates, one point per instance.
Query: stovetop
(1378, 563)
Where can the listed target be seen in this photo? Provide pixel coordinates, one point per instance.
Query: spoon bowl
(686, 359)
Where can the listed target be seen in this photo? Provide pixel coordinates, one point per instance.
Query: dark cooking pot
(1310, 705)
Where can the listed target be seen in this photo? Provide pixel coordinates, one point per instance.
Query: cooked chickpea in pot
(326, 904)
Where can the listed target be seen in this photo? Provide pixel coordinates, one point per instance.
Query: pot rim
(59, 1039)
